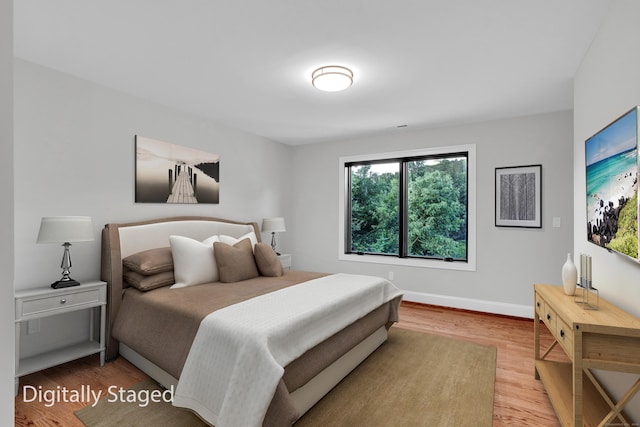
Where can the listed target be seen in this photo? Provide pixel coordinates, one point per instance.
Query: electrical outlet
(556, 222)
(391, 275)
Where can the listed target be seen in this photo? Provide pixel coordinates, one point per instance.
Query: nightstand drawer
(57, 303)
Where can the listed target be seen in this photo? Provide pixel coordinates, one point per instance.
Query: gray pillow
(267, 260)
(146, 283)
(235, 263)
(152, 261)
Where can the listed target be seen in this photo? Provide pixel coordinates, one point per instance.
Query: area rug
(414, 379)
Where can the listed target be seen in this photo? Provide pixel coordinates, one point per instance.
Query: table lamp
(65, 229)
(273, 226)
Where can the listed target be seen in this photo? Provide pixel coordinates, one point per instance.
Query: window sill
(409, 262)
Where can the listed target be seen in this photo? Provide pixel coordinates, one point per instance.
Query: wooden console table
(607, 339)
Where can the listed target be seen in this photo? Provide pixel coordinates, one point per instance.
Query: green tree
(374, 211)
(435, 216)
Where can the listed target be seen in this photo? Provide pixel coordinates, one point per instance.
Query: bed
(156, 319)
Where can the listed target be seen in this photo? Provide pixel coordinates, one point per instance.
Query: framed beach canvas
(518, 196)
(169, 173)
(612, 163)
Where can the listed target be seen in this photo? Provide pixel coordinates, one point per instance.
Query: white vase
(569, 276)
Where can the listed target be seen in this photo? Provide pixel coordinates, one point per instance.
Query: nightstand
(285, 259)
(40, 303)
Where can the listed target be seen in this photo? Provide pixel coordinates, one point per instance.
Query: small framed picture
(519, 196)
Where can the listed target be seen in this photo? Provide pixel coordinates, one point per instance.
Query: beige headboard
(122, 240)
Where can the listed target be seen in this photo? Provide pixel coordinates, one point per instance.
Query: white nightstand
(40, 303)
(285, 259)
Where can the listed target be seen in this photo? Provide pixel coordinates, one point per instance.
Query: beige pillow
(267, 260)
(146, 283)
(150, 262)
(235, 263)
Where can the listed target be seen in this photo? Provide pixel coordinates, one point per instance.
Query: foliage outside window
(408, 207)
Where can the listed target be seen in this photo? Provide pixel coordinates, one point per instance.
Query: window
(412, 208)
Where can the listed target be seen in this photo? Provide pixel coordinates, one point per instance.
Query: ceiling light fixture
(332, 78)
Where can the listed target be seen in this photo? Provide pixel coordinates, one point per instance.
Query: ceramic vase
(569, 276)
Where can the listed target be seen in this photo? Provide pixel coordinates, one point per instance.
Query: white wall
(6, 212)
(509, 260)
(74, 155)
(606, 85)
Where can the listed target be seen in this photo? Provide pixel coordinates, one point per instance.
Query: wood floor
(519, 400)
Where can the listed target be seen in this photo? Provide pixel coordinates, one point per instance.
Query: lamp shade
(62, 229)
(273, 225)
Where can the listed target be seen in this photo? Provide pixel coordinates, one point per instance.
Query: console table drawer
(564, 334)
(540, 306)
(549, 318)
(53, 304)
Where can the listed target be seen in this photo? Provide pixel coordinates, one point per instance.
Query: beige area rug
(414, 379)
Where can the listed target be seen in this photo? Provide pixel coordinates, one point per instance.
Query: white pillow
(193, 261)
(232, 240)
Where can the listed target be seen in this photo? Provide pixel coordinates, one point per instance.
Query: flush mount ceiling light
(332, 78)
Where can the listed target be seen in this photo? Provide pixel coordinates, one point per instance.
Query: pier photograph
(169, 173)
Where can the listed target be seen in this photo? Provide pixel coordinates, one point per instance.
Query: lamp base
(64, 283)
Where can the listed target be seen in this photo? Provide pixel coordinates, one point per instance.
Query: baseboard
(484, 306)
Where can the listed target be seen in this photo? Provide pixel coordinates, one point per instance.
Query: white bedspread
(237, 357)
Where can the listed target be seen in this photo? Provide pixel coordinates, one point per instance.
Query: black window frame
(403, 200)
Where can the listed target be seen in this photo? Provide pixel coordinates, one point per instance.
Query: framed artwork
(612, 163)
(519, 196)
(169, 173)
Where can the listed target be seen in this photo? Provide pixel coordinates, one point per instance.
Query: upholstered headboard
(122, 240)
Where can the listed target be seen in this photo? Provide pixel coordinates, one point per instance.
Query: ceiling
(247, 63)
